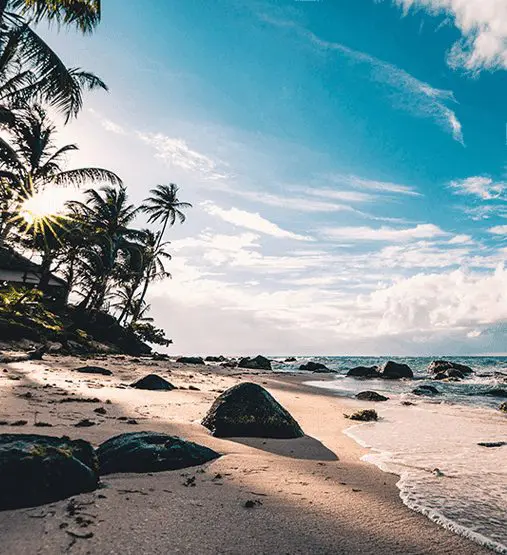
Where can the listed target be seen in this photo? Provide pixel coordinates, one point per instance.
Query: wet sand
(311, 495)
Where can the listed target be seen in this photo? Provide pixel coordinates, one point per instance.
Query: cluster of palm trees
(92, 244)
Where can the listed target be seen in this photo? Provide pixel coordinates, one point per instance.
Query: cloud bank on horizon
(349, 194)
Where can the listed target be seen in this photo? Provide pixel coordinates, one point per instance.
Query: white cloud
(176, 152)
(460, 240)
(483, 25)
(250, 220)
(498, 230)
(374, 185)
(363, 233)
(109, 125)
(481, 186)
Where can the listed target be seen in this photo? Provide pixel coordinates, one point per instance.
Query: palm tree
(152, 269)
(29, 68)
(31, 161)
(165, 206)
(107, 216)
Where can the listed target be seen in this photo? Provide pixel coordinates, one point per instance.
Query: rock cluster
(257, 363)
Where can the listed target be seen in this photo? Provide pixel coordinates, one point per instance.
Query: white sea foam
(443, 473)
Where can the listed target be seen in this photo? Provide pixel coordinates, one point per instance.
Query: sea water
(433, 445)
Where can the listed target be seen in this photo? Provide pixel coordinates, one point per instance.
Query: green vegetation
(98, 257)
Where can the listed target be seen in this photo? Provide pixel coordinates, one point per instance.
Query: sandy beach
(311, 495)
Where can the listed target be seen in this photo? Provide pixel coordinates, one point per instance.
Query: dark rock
(496, 392)
(365, 415)
(291, 359)
(248, 410)
(94, 370)
(190, 360)
(257, 363)
(159, 356)
(371, 396)
(37, 469)
(315, 367)
(427, 390)
(407, 403)
(153, 383)
(492, 443)
(38, 353)
(444, 366)
(395, 370)
(364, 372)
(229, 364)
(503, 407)
(85, 423)
(100, 410)
(193, 388)
(150, 452)
(215, 359)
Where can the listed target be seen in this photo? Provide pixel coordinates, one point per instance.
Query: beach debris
(257, 363)
(150, 452)
(395, 370)
(251, 503)
(503, 407)
(190, 360)
(492, 443)
(371, 396)
(80, 400)
(426, 390)
(94, 370)
(85, 423)
(248, 410)
(153, 383)
(36, 469)
(189, 482)
(438, 472)
(315, 367)
(408, 403)
(443, 369)
(364, 372)
(364, 415)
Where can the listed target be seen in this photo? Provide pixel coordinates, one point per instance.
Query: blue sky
(345, 159)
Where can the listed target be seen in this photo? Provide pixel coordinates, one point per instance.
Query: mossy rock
(371, 396)
(36, 469)
(365, 415)
(150, 452)
(248, 410)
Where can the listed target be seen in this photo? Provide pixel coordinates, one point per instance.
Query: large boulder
(190, 360)
(364, 372)
(150, 452)
(442, 369)
(248, 410)
(154, 383)
(315, 367)
(94, 370)
(371, 396)
(426, 390)
(257, 363)
(395, 370)
(36, 469)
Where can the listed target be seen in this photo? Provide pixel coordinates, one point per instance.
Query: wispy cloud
(176, 152)
(405, 91)
(374, 185)
(480, 186)
(498, 230)
(389, 234)
(251, 220)
(483, 25)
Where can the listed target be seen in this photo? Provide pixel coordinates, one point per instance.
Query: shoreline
(317, 495)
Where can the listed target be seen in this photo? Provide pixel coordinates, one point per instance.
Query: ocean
(433, 445)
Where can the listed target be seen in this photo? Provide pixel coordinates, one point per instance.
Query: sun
(43, 209)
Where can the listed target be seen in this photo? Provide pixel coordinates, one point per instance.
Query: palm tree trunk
(45, 271)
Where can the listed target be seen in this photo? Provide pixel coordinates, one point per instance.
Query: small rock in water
(427, 390)
(371, 396)
(364, 372)
(395, 370)
(365, 415)
(315, 367)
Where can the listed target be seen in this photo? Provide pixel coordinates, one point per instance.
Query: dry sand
(314, 494)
